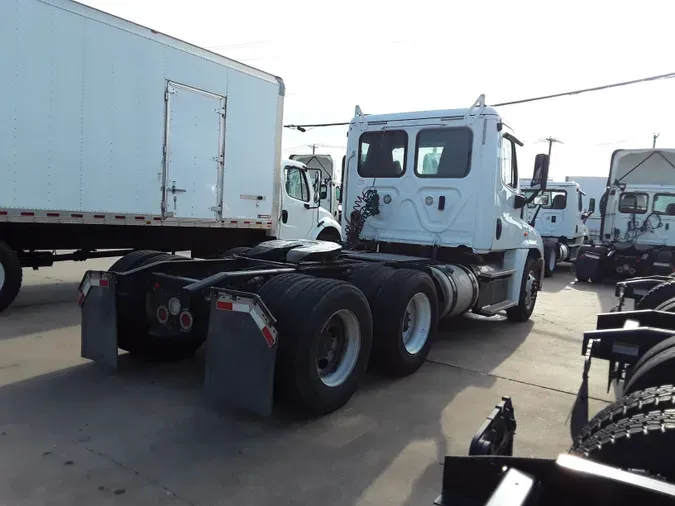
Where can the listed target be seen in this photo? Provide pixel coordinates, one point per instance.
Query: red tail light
(186, 320)
(162, 314)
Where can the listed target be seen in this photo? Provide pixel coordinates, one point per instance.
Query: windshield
(557, 199)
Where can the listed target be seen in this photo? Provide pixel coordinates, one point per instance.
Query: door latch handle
(175, 190)
(284, 215)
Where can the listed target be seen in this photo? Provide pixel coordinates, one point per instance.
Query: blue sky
(392, 56)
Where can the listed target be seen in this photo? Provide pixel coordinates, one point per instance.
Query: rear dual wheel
(325, 337)
(405, 314)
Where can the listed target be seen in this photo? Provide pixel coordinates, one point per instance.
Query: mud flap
(579, 414)
(241, 350)
(99, 318)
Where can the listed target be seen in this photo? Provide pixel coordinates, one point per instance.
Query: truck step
(490, 273)
(496, 308)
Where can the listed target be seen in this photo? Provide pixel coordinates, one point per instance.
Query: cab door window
(509, 163)
(296, 184)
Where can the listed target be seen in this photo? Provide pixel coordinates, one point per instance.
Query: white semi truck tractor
(559, 215)
(426, 238)
(637, 232)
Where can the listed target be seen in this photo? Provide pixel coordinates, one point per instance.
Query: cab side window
(296, 184)
(633, 203)
(509, 163)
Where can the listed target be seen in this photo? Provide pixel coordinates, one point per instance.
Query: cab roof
(422, 115)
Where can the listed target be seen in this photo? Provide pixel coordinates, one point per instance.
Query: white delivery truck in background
(594, 188)
(560, 218)
(115, 137)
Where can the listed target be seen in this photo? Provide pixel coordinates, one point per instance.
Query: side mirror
(323, 192)
(338, 194)
(317, 186)
(591, 206)
(541, 200)
(519, 201)
(540, 174)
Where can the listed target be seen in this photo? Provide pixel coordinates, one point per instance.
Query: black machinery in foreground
(625, 453)
(490, 475)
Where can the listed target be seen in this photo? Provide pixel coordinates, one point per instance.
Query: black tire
(240, 250)
(524, 309)
(329, 234)
(369, 278)
(644, 441)
(661, 297)
(658, 370)
(391, 319)
(643, 401)
(133, 260)
(647, 356)
(303, 307)
(133, 328)
(550, 254)
(11, 275)
(580, 265)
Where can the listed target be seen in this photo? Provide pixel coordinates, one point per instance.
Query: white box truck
(115, 137)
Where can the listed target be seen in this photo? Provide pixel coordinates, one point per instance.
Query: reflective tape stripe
(226, 303)
(100, 280)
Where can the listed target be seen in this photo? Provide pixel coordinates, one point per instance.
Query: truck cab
(441, 184)
(637, 233)
(322, 165)
(302, 216)
(560, 217)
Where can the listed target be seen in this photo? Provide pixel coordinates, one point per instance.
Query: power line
(669, 75)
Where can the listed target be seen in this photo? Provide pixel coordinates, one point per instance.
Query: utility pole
(654, 137)
(550, 141)
(313, 146)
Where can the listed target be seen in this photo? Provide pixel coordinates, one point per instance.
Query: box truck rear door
(195, 148)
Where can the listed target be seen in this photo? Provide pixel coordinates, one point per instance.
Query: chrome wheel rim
(416, 323)
(2, 276)
(339, 348)
(551, 261)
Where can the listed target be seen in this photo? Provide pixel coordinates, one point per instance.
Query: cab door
(297, 217)
(509, 225)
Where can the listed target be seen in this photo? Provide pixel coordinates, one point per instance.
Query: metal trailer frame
(622, 338)
(490, 475)
(241, 342)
